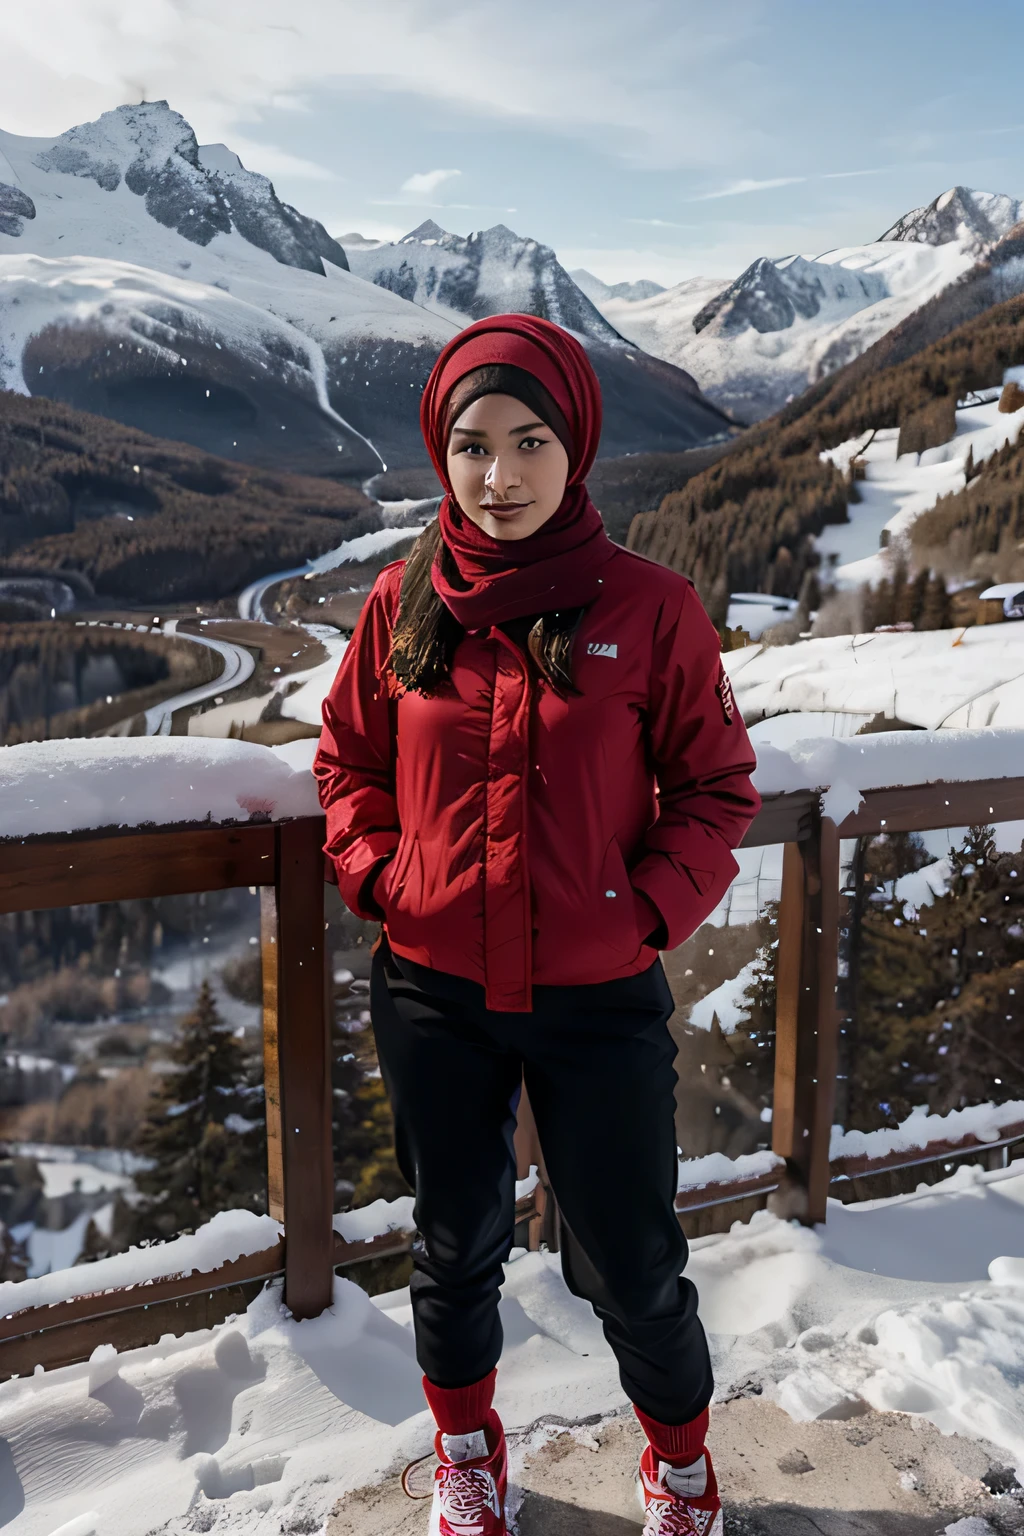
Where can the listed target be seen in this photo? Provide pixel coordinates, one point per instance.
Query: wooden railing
(284, 860)
(807, 1020)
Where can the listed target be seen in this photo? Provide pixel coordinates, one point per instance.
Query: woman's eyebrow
(513, 431)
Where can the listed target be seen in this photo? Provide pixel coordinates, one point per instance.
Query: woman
(512, 696)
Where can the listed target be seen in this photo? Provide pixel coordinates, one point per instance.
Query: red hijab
(559, 565)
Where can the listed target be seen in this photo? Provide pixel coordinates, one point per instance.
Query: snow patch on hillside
(725, 1003)
(936, 679)
(896, 490)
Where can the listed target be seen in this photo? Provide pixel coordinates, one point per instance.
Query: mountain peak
(599, 292)
(198, 193)
(960, 214)
(488, 272)
(147, 132)
(427, 231)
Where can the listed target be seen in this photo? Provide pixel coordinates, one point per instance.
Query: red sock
(680, 1445)
(460, 1410)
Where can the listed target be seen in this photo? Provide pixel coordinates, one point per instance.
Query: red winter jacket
(514, 837)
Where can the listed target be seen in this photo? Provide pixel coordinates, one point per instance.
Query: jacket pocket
(619, 925)
(392, 876)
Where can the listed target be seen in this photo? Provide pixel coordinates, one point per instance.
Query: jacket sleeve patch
(725, 696)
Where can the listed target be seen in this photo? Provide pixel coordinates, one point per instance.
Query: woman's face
(507, 469)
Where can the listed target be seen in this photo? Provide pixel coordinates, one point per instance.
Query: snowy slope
(913, 1305)
(896, 490)
(648, 405)
(934, 679)
(142, 230)
(786, 322)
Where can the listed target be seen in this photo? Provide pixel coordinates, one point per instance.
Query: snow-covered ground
(895, 491)
(757, 611)
(936, 679)
(914, 1305)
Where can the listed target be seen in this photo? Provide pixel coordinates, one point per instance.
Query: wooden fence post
(271, 1053)
(297, 1067)
(545, 1226)
(807, 1020)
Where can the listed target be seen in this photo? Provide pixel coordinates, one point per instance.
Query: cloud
(746, 184)
(661, 224)
(606, 74)
(427, 181)
(875, 170)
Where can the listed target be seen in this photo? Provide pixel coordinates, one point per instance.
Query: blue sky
(664, 138)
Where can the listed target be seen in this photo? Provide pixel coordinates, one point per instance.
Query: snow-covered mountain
(648, 405)
(599, 293)
(151, 279)
(786, 322)
(156, 281)
(961, 216)
(488, 272)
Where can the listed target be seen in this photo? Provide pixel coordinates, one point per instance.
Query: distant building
(1011, 593)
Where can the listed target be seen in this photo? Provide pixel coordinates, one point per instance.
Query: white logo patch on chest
(597, 648)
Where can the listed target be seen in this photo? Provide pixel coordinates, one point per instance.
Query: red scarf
(559, 566)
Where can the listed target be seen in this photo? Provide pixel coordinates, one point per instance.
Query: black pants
(598, 1066)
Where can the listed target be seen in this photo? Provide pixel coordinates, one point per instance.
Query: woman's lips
(504, 508)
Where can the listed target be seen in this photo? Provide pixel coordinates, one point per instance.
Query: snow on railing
(921, 1138)
(371, 1221)
(844, 769)
(978, 1124)
(228, 1236)
(716, 1168)
(78, 785)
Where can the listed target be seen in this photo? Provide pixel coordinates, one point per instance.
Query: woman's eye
(532, 442)
(476, 449)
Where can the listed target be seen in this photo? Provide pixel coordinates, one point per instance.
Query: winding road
(239, 666)
(363, 547)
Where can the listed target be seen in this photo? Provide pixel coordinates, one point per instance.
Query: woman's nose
(499, 476)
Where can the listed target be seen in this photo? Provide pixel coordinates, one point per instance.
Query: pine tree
(879, 605)
(363, 1127)
(938, 1009)
(758, 1034)
(918, 595)
(13, 1256)
(204, 1131)
(97, 1244)
(936, 612)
